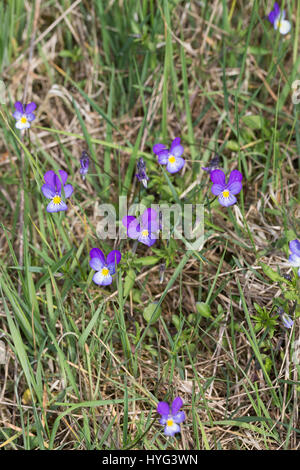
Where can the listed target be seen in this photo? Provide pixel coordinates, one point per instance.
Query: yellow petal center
(226, 193)
(145, 233)
(172, 159)
(170, 422)
(23, 120)
(57, 199)
(105, 271)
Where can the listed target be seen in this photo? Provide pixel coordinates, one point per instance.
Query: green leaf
(152, 313)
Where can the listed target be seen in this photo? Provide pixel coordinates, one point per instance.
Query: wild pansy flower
(55, 189)
(172, 158)
(24, 115)
(84, 163)
(226, 191)
(213, 164)
(171, 419)
(286, 319)
(145, 228)
(105, 267)
(141, 174)
(294, 258)
(277, 19)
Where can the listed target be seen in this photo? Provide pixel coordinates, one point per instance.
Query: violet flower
(285, 318)
(141, 174)
(24, 115)
(105, 267)
(226, 191)
(172, 419)
(287, 321)
(172, 158)
(84, 163)
(294, 258)
(144, 229)
(277, 19)
(213, 164)
(53, 190)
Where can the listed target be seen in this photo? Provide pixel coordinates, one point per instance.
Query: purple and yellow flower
(277, 19)
(171, 419)
(24, 115)
(84, 163)
(294, 258)
(141, 174)
(145, 228)
(56, 189)
(172, 158)
(226, 191)
(105, 267)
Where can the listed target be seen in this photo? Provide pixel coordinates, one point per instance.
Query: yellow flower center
(105, 271)
(226, 193)
(145, 233)
(23, 120)
(57, 199)
(170, 422)
(172, 159)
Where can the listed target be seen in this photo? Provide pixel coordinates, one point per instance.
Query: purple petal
(175, 142)
(48, 191)
(30, 107)
(19, 107)
(272, 17)
(287, 321)
(276, 8)
(133, 229)
(294, 260)
(163, 408)
(176, 166)
(68, 189)
(63, 176)
(60, 179)
(295, 247)
(114, 257)
(227, 201)
(216, 189)
(127, 220)
(97, 253)
(234, 187)
(235, 175)
(17, 115)
(163, 157)
(147, 216)
(176, 405)
(158, 148)
(218, 177)
(179, 417)
(30, 117)
(49, 178)
(148, 240)
(176, 149)
(96, 263)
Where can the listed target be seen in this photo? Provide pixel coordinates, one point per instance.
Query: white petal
(22, 125)
(285, 27)
(102, 280)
